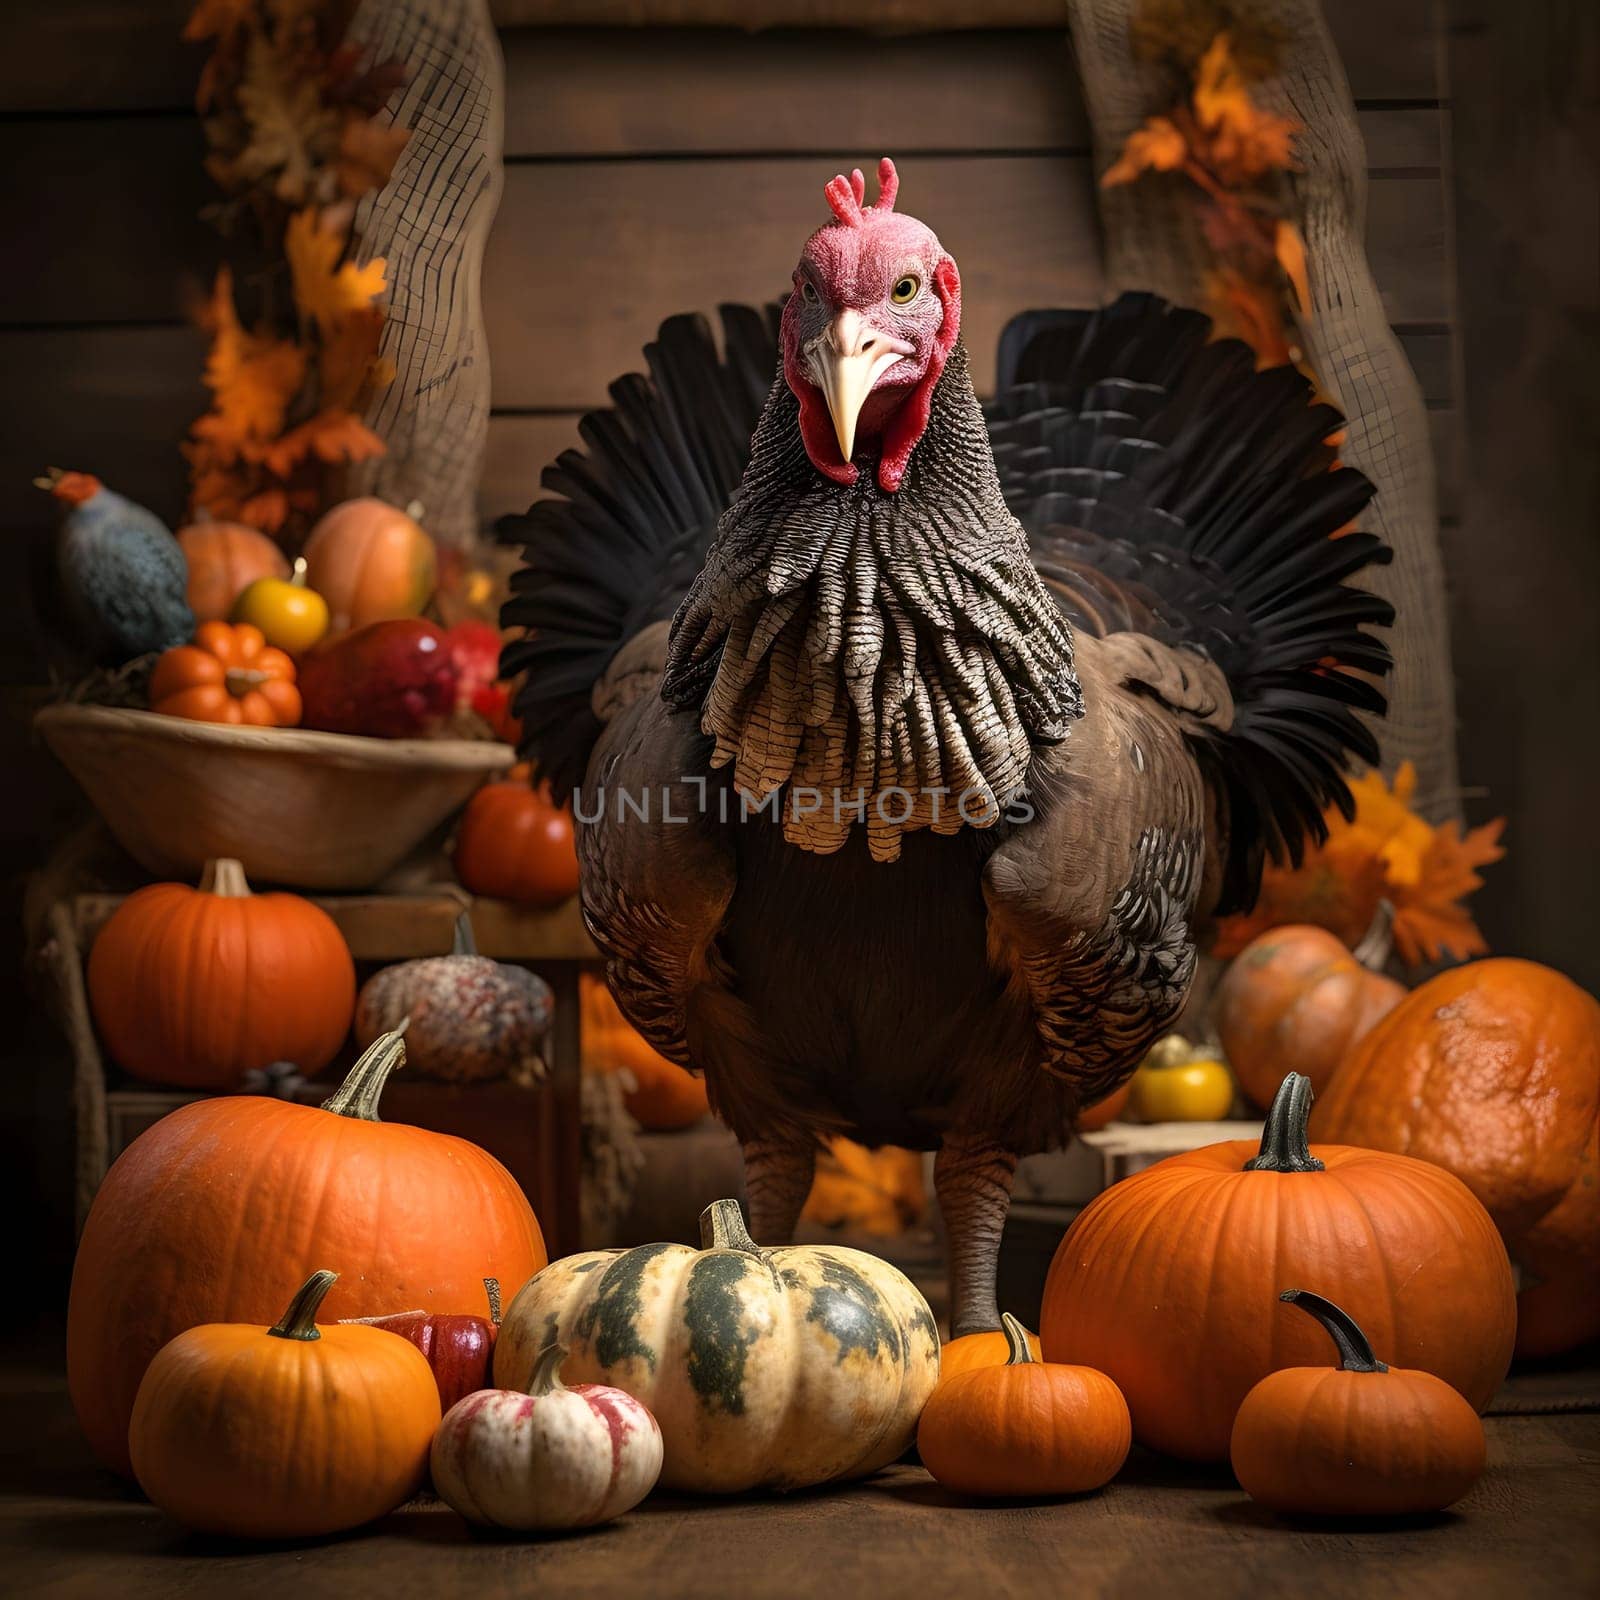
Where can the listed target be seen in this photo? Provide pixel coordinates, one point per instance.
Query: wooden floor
(1528, 1530)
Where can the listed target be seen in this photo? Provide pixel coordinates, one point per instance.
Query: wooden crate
(534, 1131)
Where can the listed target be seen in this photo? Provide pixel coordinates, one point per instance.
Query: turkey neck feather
(896, 650)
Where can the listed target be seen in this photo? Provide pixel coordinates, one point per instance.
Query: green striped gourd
(766, 1369)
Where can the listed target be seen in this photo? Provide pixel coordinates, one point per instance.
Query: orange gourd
(371, 562)
(664, 1095)
(1160, 1282)
(516, 843)
(1103, 1111)
(215, 1213)
(1357, 1440)
(974, 1350)
(224, 559)
(283, 1432)
(229, 674)
(197, 987)
(1492, 1071)
(1295, 1000)
(1025, 1428)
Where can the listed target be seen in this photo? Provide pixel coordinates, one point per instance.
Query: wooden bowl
(313, 810)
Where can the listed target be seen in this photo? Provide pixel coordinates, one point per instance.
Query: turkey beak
(846, 360)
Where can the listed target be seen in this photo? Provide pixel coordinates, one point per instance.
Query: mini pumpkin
(418, 1219)
(663, 1096)
(197, 987)
(1103, 1111)
(1359, 1439)
(229, 674)
(470, 1018)
(1026, 1427)
(766, 1369)
(516, 843)
(1492, 1071)
(1296, 999)
(291, 614)
(457, 1348)
(548, 1457)
(1161, 1280)
(224, 558)
(283, 1432)
(1181, 1082)
(371, 562)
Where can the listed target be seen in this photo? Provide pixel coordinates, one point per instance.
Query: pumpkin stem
(297, 575)
(1355, 1354)
(1376, 943)
(226, 878)
(1017, 1338)
(358, 1095)
(466, 943)
(722, 1228)
(491, 1287)
(300, 1320)
(546, 1377)
(1283, 1140)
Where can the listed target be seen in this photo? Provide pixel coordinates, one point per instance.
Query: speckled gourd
(766, 1369)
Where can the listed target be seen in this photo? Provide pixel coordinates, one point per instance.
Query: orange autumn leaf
(253, 378)
(1156, 146)
(331, 436)
(367, 154)
(1430, 923)
(324, 290)
(1243, 141)
(1290, 249)
(1240, 309)
(349, 363)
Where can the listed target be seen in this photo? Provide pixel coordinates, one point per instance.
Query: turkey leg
(972, 1176)
(777, 1179)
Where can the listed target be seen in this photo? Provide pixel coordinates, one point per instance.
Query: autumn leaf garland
(293, 143)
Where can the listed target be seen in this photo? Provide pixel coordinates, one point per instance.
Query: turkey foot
(777, 1179)
(972, 1176)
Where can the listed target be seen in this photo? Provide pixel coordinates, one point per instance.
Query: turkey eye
(808, 290)
(905, 291)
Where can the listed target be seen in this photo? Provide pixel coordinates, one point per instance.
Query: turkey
(913, 743)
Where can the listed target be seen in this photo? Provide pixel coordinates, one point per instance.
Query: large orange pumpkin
(371, 562)
(1168, 1281)
(197, 987)
(1295, 1000)
(1492, 1071)
(516, 843)
(222, 1209)
(224, 559)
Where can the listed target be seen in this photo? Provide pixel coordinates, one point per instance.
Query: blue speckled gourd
(123, 575)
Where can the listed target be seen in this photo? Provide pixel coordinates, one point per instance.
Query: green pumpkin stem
(722, 1228)
(1017, 1338)
(1355, 1354)
(546, 1377)
(465, 943)
(1283, 1140)
(358, 1095)
(300, 1320)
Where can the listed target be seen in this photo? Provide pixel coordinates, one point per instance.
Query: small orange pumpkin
(1160, 1281)
(229, 674)
(1295, 1000)
(197, 987)
(1104, 1111)
(1029, 1427)
(283, 1432)
(516, 843)
(1492, 1071)
(1359, 1439)
(974, 1350)
(665, 1096)
(371, 562)
(269, 1188)
(224, 559)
